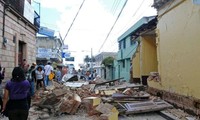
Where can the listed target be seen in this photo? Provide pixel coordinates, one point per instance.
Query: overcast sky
(93, 22)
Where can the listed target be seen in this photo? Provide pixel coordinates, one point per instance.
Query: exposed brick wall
(187, 103)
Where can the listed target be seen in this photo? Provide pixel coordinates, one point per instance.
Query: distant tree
(108, 61)
(89, 59)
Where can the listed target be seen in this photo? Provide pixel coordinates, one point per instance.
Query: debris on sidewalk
(100, 98)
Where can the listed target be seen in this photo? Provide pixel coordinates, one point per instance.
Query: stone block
(106, 108)
(70, 104)
(109, 116)
(93, 100)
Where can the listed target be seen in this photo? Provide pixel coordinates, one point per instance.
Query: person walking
(39, 77)
(59, 74)
(94, 74)
(31, 77)
(2, 74)
(47, 70)
(25, 66)
(15, 103)
(1, 96)
(131, 73)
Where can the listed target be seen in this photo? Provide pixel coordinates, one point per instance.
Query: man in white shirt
(47, 70)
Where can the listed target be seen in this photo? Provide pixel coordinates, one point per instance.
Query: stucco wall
(136, 65)
(148, 55)
(179, 53)
(125, 71)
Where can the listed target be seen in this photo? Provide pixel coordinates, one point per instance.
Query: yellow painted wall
(148, 57)
(179, 49)
(136, 65)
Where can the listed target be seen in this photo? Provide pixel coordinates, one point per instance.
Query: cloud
(94, 22)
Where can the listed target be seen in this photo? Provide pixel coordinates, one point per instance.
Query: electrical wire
(137, 10)
(116, 6)
(113, 25)
(113, 5)
(74, 20)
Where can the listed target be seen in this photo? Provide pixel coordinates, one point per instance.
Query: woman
(16, 93)
(39, 77)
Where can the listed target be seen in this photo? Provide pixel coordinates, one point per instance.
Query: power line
(137, 10)
(113, 25)
(74, 20)
(115, 7)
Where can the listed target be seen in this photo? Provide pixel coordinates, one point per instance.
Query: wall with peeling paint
(178, 42)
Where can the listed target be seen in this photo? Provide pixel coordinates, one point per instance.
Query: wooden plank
(110, 81)
(122, 87)
(149, 106)
(120, 95)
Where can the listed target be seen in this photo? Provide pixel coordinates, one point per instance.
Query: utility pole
(91, 60)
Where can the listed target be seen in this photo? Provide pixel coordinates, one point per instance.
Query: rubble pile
(104, 99)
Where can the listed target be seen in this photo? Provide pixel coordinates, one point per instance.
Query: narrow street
(100, 59)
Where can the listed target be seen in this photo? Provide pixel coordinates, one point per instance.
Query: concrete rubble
(100, 99)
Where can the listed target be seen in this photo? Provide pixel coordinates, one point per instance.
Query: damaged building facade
(178, 53)
(19, 24)
(138, 46)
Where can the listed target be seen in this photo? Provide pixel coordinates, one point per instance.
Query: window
(196, 2)
(123, 63)
(119, 45)
(124, 44)
(131, 42)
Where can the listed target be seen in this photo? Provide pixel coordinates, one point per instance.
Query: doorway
(21, 53)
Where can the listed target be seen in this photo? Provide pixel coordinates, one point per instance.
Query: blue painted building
(128, 44)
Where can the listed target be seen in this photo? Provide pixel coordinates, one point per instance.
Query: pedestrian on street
(15, 103)
(2, 73)
(39, 77)
(25, 66)
(87, 75)
(64, 70)
(1, 89)
(94, 74)
(131, 73)
(31, 77)
(58, 74)
(79, 73)
(47, 70)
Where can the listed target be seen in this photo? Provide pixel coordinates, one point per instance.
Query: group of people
(21, 87)
(19, 90)
(87, 75)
